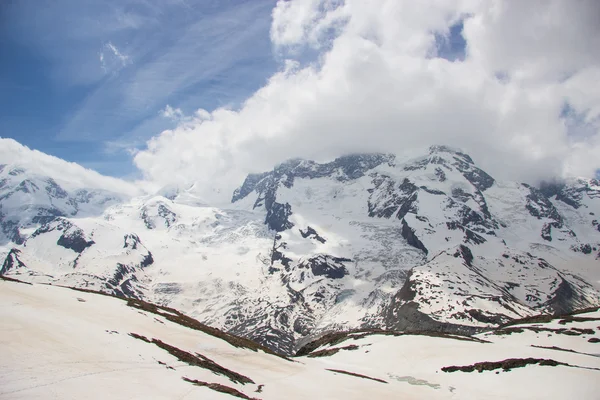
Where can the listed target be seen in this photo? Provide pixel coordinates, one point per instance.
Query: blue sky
(89, 80)
(86, 80)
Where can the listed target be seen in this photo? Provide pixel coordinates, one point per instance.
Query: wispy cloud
(127, 59)
(216, 57)
(111, 59)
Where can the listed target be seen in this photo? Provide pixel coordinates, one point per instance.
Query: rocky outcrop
(12, 262)
(408, 234)
(72, 237)
(327, 266)
(312, 234)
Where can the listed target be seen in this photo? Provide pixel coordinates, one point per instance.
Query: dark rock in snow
(277, 217)
(311, 233)
(328, 266)
(72, 237)
(583, 248)
(408, 234)
(464, 252)
(11, 261)
(74, 241)
(54, 190)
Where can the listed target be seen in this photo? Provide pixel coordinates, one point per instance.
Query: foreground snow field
(61, 343)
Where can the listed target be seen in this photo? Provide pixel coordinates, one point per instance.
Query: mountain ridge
(364, 241)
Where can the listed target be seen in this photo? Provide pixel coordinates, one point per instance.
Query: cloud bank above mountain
(523, 100)
(68, 174)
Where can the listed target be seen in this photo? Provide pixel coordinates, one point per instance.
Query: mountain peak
(437, 149)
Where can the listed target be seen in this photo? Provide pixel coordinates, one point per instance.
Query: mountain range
(426, 242)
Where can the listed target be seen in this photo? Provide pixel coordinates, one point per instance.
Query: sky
(89, 80)
(182, 91)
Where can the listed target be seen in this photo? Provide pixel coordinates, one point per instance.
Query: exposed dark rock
(197, 360)
(74, 240)
(217, 387)
(277, 217)
(565, 298)
(11, 229)
(461, 195)
(547, 232)
(16, 171)
(506, 365)
(432, 191)
(470, 236)
(440, 174)
(169, 288)
(46, 215)
(131, 241)
(27, 186)
(169, 216)
(479, 178)
(330, 352)
(266, 184)
(583, 248)
(279, 256)
(408, 234)
(325, 265)
(464, 252)
(72, 237)
(248, 186)
(540, 207)
(487, 319)
(408, 199)
(405, 316)
(385, 199)
(311, 233)
(54, 190)
(12, 261)
(339, 371)
(407, 291)
(147, 260)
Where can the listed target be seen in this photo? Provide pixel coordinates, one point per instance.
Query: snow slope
(61, 343)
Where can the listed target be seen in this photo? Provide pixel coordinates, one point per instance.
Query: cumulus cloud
(379, 84)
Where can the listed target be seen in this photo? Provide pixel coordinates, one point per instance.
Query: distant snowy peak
(29, 199)
(342, 169)
(71, 176)
(85, 253)
(444, 179)
(573, 192)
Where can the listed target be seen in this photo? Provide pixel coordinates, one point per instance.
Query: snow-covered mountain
(422, 242)
(68, 344)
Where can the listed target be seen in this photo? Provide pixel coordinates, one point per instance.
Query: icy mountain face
(28, 200)
(349, 235)
(365, 241)
(90, 255)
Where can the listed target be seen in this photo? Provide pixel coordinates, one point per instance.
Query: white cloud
(171, 113)
(68, 174)
(377, 87)
(112, 59)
